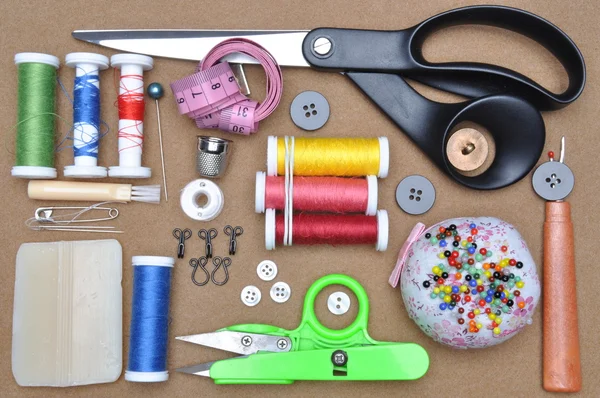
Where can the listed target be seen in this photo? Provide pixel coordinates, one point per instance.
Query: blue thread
(86, 110)
(149, 319)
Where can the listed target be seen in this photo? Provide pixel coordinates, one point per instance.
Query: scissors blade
(240, 342)
(201, 369)
(284, 45)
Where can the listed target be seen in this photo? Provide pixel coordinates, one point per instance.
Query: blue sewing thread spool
(86, 114)
(149, 319)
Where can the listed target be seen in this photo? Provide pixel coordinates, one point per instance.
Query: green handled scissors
(272, 355)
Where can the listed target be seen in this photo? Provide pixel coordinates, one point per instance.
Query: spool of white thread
(130, 147)
(83, 133)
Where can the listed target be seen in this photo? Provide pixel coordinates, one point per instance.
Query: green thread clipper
(272, 355)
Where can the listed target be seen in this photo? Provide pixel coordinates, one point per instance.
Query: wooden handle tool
(562, 367)
(554, 181)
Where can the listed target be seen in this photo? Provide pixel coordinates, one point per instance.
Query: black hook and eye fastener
(207, 235)
(233, 233)
(199, 263)
(181, 236)
(218, 262)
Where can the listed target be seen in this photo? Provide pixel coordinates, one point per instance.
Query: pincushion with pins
(468, 282)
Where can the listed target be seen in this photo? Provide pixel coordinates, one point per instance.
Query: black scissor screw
(339, 358)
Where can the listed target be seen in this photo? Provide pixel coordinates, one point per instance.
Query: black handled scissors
(504, 102)
(207, 235)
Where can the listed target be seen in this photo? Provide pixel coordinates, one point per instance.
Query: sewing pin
(156, 91)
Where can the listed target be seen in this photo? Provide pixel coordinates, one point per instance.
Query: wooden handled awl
(562, 367)
(553, 181)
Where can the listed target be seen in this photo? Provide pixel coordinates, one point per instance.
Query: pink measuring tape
(212, 97)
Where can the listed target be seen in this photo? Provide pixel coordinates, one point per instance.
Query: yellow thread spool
(342, 157)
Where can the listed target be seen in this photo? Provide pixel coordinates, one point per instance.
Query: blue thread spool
(86, 114)
(149, 319)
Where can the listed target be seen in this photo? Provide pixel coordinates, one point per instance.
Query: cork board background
(512, 369)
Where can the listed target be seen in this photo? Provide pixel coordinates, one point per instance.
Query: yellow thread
(344, 157)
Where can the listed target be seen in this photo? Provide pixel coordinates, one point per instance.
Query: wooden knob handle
(562, 366)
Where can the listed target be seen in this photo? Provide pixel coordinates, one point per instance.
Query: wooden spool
(467, 149)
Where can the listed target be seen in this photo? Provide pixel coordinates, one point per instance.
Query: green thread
(35, 126)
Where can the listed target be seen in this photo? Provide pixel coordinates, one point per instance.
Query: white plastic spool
(130, 149)
(85, 166)
(196, 189)
(35, 172)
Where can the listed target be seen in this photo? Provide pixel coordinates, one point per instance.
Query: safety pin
(46, 214)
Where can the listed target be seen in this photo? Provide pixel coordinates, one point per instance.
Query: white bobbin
(197, 189)
(384, 157)
(270, 229)
(372, 196)
(85, 166)
(130, 150)
(383, 228)
(261, 192)
(35, 172)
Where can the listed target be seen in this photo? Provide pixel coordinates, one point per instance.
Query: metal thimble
(211, 159)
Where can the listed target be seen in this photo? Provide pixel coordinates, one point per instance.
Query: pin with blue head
(156, 91)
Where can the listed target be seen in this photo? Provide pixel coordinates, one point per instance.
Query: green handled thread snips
(272, 355)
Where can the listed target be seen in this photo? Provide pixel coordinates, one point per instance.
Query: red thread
(131, 106)
(131, 102)
(315, 194)
(310, 229)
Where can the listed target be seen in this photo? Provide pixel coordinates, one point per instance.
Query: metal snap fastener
(309, 110)
(250, 296)
(338, 303)
(266, 270)
(281, 292)
(553, 180)
(415, 194)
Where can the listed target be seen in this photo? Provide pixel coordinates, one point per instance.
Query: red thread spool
(313, 229)
(318, 194)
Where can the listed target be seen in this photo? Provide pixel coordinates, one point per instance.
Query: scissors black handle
(516, 126)
(400, 52)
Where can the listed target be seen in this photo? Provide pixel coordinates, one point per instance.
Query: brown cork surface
(513, 368)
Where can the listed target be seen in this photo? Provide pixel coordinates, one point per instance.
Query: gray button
(309, 110)
(553, 180)
(415, 194)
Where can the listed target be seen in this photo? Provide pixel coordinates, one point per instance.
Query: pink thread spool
(313, 229)
(318, 194)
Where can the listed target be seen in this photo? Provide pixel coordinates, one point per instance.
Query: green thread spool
(36, 116)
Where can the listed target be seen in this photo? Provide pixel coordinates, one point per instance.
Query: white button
(267, 270)
(338, 303)
(281, 292)
(250, 296)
